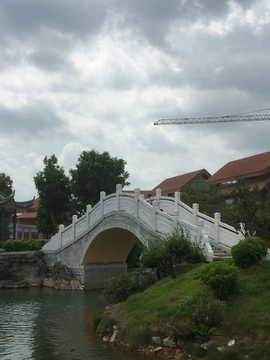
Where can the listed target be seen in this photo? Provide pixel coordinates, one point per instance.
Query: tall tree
(244, 212)
(53, 187)
(205, 194)
(6, 184)
(6, 188)
(94, 173)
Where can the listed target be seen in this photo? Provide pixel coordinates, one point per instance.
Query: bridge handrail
(163, 216)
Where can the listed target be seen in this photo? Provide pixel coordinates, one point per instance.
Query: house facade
(255, 170)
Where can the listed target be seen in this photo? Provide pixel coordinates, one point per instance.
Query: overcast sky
(82, 75)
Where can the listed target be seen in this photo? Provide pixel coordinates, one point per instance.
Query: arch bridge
(96, 245)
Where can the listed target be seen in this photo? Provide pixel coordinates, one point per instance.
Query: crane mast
(211, 120)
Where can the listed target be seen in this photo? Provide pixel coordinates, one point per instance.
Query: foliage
(178, 247)
(140, 335)
(182, 249)
(6, 184)
(54, 191)
(154, 255)
(242, 214)
(205, 194)
(249, 251)
(95, 173)
(21, 245)
(6, 188)
(133, 259)
(95, 320)
(220, 277)
(106, 325)
(203, 313)
(120, 287)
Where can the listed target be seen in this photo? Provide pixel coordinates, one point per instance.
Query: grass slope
(247, 318)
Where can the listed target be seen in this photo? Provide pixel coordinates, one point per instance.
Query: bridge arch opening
(110, 246)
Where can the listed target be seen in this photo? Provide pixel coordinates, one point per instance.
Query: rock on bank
(28, 268)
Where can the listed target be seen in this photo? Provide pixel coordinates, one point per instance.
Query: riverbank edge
(26, 269)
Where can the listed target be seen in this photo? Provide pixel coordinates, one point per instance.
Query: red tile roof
(178, 182)
(247, 167)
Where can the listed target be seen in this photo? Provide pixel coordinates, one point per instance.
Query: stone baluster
(61, 228)
(102, 197)
(200, 225)
(88, 211)
(176, 214)
(74, 219)
(118, 193)
(154, 216)
(136, 201)
(217, 224)
(195, 213)
(176, 200)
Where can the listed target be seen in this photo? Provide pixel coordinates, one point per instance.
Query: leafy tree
(6, 188)
(244, 212)
(6, 184)
(205, 194)
(95, 173)
(53, 187)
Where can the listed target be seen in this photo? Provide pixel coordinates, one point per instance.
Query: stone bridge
(96, 245)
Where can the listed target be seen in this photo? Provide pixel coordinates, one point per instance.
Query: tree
(205, 194)
(6, 184)
(53, 187)
(244, 212)
(6, 188)
(95, 173)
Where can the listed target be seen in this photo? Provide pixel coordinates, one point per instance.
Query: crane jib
(209, 120)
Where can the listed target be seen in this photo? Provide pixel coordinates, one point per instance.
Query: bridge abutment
(95, 275)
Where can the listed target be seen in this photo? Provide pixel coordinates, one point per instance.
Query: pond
(43, 323)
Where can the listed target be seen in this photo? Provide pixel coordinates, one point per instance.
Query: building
(26, 223)
(171, 185)
(255, 170)
(177, 183)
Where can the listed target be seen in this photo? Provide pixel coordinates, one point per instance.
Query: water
(46, 324)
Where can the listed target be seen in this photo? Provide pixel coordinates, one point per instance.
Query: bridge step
(220, 254)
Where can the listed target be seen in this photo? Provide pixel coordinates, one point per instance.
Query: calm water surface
(46, 324)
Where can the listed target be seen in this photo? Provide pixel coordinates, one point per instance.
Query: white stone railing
(166, 214)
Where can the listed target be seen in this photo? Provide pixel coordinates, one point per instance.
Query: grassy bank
(247, 321)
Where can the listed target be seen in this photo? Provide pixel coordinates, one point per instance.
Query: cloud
(96, 75)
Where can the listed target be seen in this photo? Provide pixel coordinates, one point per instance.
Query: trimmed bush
(203, 313)
(220, 277)
(120, 287)
(21, 245)
(249, 251)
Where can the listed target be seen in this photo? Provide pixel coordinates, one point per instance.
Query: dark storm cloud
(35, 119)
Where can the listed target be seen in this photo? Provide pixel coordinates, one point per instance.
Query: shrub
(106, 325)
(21, 245)
(154, 255)
(120, 287)
(95, 320)
(220, 277)
(140, 335)
(182, 249)
(203, 313)
(133, 259)
(249, 251)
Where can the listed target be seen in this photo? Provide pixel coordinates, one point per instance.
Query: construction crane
(211, 120)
